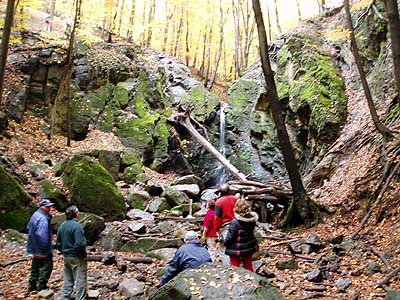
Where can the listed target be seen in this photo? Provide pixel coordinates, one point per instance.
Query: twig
(13, 262)
(389, 276)
(380, 255)
(284, 242)
(378, 199)
(378, 13)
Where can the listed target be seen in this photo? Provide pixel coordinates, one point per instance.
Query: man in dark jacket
(40, 246)
(71, 242)
(189, 256)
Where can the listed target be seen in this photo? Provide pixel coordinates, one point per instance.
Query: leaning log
(185, 122)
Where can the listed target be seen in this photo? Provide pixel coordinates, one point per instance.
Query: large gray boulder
(92, 224)
(217, 282)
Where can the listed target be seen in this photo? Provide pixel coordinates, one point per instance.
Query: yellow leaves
(339, 33)
(361, 5)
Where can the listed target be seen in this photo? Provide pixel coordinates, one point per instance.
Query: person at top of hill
(224, 207)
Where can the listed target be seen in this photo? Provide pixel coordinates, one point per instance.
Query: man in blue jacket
(40, 246)
(189, 256)
(71, 242)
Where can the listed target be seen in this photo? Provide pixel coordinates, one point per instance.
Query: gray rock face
(189, 179)
(212, 282)
(110, 160)
(131, 287)
(393, 295)
(176, 198)
(137, 227)
(165, 254)
(145, 245)
(111, 239)
(192, 190)
(137, 214)
(158, 204)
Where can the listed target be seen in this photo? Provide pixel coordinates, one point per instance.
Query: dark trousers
(40, 272)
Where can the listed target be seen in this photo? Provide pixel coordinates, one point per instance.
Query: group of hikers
(228, 230)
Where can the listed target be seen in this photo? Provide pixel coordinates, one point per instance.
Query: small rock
(45, 294)
(314, 276)
(136, 214)
(131, 287)
(373, 267)
(137, 227)
(93, 294)
(343, 283)
(290, 264)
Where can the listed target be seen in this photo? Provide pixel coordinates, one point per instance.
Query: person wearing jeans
(71, 242)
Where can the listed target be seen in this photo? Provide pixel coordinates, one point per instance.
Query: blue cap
(45, 202)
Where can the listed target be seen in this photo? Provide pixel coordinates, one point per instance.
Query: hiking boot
(32, 288)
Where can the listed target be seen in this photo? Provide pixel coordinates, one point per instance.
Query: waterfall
(221, 173)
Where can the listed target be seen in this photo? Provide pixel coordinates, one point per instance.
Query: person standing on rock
(209, 232)
(240, 241)
(189, 256)
(40, 246)
(71, 242)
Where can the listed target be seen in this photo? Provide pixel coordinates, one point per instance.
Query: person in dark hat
(40, 246)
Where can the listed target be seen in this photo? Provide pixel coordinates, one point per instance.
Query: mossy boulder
(213, 282)
(15, 210)
(54, 194)
(110, 160)
(138, 199)
(92, 224)
(175, 197)
(93, 189)
(184, 209)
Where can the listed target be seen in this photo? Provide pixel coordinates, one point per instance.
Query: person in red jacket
(224, 207)
(224, 214)
(209, 233)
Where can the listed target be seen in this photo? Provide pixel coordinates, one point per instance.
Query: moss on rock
(93, 189)
(14, 203)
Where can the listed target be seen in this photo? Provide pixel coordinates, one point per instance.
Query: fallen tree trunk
(210, 148)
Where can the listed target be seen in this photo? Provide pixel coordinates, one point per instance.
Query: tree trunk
(302, 209)
(378, 124)
(236, 22)
(203, 61)
(278, 25)
(63, 88)
(121, 15)
(152, 10)
(219, 50)
(394, 29)
(5, 41)
(52, 10)
(179, 34)
(228, 166)
(298, 10)
(168, 17)
(187, 52)
(209, 46)
(132, 21)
